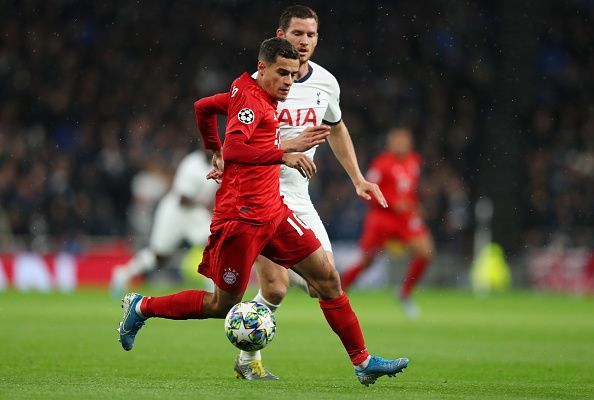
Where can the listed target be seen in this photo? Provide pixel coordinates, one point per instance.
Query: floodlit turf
(519, 345)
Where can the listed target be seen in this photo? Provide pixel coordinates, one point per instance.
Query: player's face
(276, 78)
(303, 35)
(400, 142)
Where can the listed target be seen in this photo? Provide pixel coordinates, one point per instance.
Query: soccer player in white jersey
(312, 101)
(183, 213)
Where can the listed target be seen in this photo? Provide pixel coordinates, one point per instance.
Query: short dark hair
(296, 11)
(274, 47)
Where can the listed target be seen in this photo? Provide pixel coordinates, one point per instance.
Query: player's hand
(310, 137)
(301, 163)
(216, 175)
(367, 190)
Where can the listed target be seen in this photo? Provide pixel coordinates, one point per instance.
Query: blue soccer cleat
(379, 367)
(132, 322)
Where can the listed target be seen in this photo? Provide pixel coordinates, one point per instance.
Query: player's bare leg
(421, 249)
(274, 280)
(317, 270)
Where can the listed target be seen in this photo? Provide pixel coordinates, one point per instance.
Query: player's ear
(261, 67)
(280, 33)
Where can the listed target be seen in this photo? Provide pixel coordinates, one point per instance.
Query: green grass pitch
(512, 346)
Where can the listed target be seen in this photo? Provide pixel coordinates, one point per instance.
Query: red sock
(416, 268)
(351, 275)
(182, 305)
(344, 322)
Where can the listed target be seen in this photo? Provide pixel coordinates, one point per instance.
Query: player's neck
(259, 84)
(303, 70)
(399, 156)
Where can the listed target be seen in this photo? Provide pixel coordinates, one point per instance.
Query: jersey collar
(306, 77)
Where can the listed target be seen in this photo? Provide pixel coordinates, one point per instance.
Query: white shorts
(304, 209)
(173, 223)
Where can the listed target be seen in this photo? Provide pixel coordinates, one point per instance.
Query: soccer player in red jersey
(250, 218)
(314, 98)
(396, 171)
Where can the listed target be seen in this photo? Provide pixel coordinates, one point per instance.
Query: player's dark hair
(274, 47)
(296, 11)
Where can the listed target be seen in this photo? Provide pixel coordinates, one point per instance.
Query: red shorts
(380, 227)
(233, 247)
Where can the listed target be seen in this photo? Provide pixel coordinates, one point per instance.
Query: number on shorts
(294, 224)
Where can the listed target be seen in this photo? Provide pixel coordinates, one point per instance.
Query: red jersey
(398, 178)
(250, 187)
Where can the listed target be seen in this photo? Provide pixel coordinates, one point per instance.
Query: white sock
(249, 356)
(144, 261)
(137, 309)
(260, 299)
(297, 281)
(363, 365)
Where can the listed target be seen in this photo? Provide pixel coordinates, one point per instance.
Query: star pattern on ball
(268, 325)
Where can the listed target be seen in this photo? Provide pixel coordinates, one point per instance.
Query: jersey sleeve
(245, 113)
(238, 151)
(333, 113)
(206, 110)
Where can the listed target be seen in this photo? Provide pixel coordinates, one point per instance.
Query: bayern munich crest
(230, 276)
(246, 116)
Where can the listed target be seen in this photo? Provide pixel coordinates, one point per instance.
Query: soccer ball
(250, 326)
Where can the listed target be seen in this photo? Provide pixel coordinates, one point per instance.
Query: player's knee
(367, 260)
(427, 251)
(422, 249)
(273, 291)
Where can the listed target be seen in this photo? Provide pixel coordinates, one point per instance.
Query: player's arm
(206, 110)
(342, 147)
(237, 150)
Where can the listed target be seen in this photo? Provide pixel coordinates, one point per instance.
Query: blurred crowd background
(96, 109)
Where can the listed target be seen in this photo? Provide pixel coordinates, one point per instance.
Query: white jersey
(313, 100)
(175, 222)
(190, 178)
